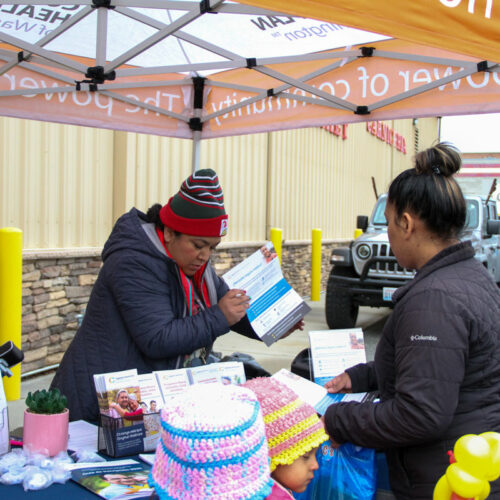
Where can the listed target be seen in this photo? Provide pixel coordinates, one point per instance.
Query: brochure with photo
(151, 397)
(124, 428)
(116, 480)
(274, 306)
(114, 388)
(333, 351)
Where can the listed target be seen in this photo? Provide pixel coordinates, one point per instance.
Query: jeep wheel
(340, 310)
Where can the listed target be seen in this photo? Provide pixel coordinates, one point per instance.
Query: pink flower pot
(47, 434)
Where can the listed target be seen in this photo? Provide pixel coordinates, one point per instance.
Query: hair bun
(442, 159)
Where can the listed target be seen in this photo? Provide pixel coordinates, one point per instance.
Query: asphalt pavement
(273, 358)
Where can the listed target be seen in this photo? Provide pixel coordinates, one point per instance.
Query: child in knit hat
(293, 431)
(213, 446)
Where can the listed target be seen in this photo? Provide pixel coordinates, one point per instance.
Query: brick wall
(57, 285)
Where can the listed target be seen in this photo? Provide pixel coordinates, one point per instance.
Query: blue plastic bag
(345, 473)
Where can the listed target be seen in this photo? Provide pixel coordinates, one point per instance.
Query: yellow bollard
(11, 275)
(316, 265)
(357, 232)
(276, 238)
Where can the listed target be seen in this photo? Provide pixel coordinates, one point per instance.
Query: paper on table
(306, 390)
(82, 436)
(109, 463)
(149, 458)
(316, 395)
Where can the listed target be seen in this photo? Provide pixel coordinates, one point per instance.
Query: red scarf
(187, 283)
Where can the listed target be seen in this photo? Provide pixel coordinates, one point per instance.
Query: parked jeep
(366, 273)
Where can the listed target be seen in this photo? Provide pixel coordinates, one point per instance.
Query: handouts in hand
(234, 305)
(340, 383)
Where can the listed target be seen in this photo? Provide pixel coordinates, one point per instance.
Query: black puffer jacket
(437, 367)
(136, 316)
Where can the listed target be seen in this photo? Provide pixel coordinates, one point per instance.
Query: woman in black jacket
(437, 364)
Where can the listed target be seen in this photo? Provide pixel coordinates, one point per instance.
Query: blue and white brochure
(333, 351)
(274, 306)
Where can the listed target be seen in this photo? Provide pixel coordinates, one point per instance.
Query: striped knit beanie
(198, 208)
(292, 426)
(213, 446)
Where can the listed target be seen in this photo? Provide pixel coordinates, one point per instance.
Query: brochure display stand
(119, 437)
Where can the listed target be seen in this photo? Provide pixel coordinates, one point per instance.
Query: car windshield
(378, 213)
(471, 221)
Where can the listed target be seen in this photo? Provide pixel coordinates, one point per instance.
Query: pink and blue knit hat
(213, 446)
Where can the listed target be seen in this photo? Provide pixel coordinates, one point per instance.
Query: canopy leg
(196, 151)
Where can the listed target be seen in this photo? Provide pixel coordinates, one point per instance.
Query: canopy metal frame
(107, 75)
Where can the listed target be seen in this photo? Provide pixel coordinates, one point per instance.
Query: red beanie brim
(212, 227)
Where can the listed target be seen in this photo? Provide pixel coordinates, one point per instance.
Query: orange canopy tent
(469, 27)
(209, 68)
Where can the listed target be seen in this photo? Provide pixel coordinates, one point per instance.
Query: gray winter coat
(437, 367)
(136, 316)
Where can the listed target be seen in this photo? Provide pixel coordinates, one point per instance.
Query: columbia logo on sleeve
(420, 338)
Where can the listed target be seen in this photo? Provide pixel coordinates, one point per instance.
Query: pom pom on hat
(292, 426)
(198, 208)
(213, 446)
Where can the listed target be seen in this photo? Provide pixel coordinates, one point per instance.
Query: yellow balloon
(493, 439)
(485, 493)
(472, 452)
(442, 490)
(462, 483)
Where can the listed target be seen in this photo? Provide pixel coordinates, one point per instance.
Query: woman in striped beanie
(157, 303)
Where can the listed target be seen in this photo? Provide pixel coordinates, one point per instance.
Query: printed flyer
(117, 480)
(274, 306)
(333, 351)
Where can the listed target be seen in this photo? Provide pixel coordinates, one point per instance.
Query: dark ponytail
(430, 192)
(153, 215)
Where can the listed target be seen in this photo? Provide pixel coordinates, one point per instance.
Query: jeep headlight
(363, 251)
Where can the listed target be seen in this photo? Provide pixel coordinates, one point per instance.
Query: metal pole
(196, 151)
(316, 265)
(276, 238)
(11, 275)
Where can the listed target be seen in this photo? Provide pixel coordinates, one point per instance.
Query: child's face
(297, 475)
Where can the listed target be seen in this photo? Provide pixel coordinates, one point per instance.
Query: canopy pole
(195, 123)
(196, 151)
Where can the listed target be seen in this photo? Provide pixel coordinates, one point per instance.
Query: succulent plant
(47, 402)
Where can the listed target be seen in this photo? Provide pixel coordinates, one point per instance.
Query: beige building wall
(55, 183)
(320, 180)
(64, 186)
